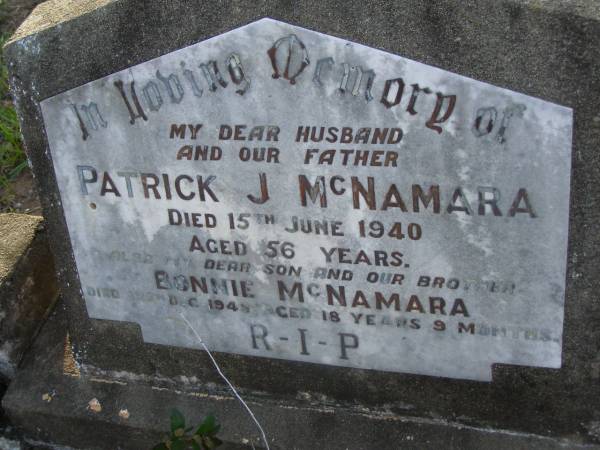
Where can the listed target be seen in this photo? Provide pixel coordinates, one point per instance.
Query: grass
(12, 156)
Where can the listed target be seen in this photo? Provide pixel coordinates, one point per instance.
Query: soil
(22, 195)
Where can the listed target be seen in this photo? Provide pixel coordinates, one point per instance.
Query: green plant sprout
(202, 439)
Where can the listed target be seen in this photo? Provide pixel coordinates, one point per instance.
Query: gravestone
(368, 243)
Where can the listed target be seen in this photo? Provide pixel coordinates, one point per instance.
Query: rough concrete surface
(53, 12)
(16, 234)
(28, 287)
(545, 49)
(8, 444)
(52, 406)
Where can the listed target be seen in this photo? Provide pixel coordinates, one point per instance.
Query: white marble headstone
(298, 196)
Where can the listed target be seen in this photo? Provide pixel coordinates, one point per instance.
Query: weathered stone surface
(16, 234)
(7, 444)
(543, 49)
(51, 406)
(54, 12)
(28, 287)
(349, 217)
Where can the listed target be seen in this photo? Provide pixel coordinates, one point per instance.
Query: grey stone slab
(549, 53)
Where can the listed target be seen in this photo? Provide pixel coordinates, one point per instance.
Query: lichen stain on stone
(70, 366)
(105, 381)
(593, 429)
(210, 396)
(194, 394)
(94, 405)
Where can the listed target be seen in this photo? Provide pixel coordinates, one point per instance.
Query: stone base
(49, 401)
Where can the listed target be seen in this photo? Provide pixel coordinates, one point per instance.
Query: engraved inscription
(301, 197)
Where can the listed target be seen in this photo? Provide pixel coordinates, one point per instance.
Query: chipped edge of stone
(54, 12)
(94, 405)
(17, 232)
